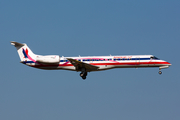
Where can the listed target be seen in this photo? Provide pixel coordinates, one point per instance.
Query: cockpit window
(155, 58)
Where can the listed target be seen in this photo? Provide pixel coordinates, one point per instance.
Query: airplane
(86, 64)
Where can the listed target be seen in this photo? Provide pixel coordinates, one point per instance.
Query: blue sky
(90, 27)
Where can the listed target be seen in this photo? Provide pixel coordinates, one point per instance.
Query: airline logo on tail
(25, 52)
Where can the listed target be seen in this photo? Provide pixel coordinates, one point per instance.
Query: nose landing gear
(160, 71)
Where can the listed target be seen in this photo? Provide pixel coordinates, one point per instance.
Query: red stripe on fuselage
(99, 64)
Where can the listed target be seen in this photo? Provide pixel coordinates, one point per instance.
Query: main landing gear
(83, 73)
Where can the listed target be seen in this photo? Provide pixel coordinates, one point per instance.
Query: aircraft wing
(79, 65)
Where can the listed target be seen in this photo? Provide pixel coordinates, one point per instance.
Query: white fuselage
(105, 62)
(86, 64)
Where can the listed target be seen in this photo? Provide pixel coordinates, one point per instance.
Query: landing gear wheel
(160, 72)
(81, 74)
(83, 77)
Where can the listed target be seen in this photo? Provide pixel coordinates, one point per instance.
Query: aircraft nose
(169, 64)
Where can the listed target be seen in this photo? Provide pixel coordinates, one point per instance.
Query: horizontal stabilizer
(16, 44)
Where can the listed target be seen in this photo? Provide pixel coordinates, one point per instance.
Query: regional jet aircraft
(86, 64)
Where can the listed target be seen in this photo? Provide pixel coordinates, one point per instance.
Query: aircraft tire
(81, 74)
(83, 77)
(160, 72)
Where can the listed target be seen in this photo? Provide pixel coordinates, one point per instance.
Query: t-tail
(27, 56)
(24, 52)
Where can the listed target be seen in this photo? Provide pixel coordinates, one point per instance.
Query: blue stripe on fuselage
(28, 62)
(114, 59)
(100, 60)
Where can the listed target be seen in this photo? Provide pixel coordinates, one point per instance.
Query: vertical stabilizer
(23, 50)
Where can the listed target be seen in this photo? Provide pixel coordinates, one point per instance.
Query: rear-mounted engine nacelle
(49, 59)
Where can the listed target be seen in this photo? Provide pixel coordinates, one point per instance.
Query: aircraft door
(137, 61)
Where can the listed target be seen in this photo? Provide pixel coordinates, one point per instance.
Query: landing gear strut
(83, 73)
